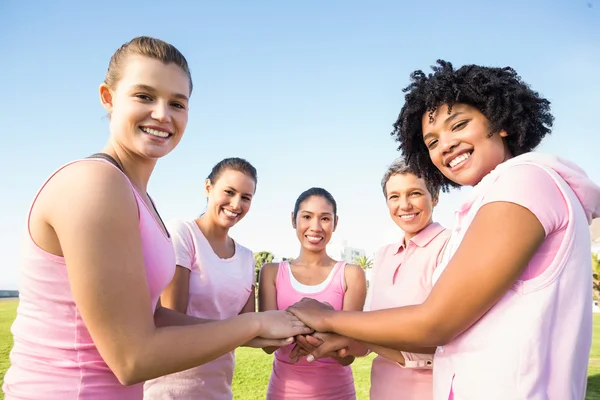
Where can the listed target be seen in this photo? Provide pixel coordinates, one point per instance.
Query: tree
(286, 259)
(596, 275)
(364, 262)
(260, 259)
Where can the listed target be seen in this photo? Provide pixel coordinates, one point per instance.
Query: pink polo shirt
(401, 276)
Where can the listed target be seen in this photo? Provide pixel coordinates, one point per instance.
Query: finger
(342, 352)
(302, 341)
(313, 341)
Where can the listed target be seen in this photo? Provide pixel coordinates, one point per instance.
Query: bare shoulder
(91, 188)
(270, 269)
(354, 272)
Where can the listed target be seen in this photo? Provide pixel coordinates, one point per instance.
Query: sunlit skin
(229, 200)
(463, 134)
(88, 214)
(410, 204)
(314, 224)
(481, 266)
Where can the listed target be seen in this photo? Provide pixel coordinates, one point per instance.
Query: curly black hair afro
(498, 93)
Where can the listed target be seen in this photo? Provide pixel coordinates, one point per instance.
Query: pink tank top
(324, 379)
(54, 356)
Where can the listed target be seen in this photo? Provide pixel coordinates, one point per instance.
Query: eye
(431, 144)
(247, 198)
(393, 197)
(143, 96)
(459, 125)
(179, 105)
(415, 194)
(306, 217)
(325, 218)
(229, 192)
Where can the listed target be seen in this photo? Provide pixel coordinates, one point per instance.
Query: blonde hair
(148, 47)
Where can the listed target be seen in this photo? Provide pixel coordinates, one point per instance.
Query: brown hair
(147, 47)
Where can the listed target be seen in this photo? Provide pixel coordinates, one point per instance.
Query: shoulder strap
(110, 159)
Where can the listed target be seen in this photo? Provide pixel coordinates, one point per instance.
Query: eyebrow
(310, 212)
(235, 190)
(446, 122)
(150, 89)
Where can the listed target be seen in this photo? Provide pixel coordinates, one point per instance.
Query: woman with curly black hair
(510, 311)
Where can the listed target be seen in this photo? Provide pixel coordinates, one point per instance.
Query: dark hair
(315, 191)
(498, 93)
(234, 163)
(400, 167)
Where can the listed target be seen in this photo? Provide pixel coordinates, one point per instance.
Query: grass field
(253, 366)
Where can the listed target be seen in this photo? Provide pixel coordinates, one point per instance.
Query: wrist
(254, 323)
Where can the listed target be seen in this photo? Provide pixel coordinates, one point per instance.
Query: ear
(207, 187)
(335, 222)
(434, 201)
(106, 97)
(293, 220)
(503, 133)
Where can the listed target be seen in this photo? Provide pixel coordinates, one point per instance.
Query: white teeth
(155, 132)
(230, 214)
(408, 216)
(459, 159)
(314, 238)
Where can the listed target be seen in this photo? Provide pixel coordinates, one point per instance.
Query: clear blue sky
(306, 90)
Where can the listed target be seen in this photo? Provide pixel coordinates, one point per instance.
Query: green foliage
(260, 259)
(364, 262)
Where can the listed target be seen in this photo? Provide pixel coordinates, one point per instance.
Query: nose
(315, 224)
(161, 112)
(235, 203)
(405, 204)
(447, 143)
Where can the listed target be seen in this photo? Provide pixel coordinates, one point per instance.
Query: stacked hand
(320, 343)
(278, 328)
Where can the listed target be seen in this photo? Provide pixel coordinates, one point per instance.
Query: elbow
(129, 370)
(437, 331)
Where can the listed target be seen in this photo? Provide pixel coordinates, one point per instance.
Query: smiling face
(229, 198)
(315, 222)
(410, 203)
(460, 144)
(148, 106)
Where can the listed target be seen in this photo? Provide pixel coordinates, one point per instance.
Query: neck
(410, 235)
(311, 258)
(211, 231)
(137, 169)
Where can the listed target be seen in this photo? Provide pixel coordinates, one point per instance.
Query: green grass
(253, 367)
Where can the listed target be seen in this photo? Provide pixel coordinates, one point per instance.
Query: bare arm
(267, 293)
(98, 229)
(354, 299)
(176, 295)
(478, 276)
(250, 305)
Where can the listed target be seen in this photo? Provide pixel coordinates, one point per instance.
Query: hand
(280, 324)
(332, 345)
(259, 342)
(313, 313)
(307, 345)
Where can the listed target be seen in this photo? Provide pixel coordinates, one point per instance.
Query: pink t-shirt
(401, 276)
(534, 343)
(322, 379)
(54, 356)
(219, 289)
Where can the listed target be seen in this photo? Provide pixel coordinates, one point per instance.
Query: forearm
(164, 317)
(397, 328)
(176, 348)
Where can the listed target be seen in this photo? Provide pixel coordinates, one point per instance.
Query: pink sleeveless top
(54, 356)
(324, 379)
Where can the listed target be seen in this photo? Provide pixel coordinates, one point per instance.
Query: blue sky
(307, 91)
